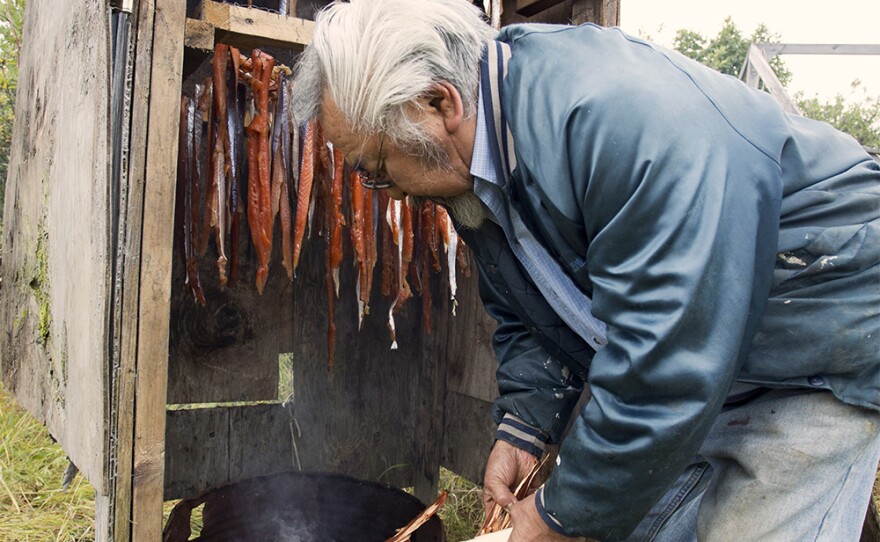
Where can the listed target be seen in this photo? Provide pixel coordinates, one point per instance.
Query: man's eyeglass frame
(372, 180)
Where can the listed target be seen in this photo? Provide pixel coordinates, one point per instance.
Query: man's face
(409, 174)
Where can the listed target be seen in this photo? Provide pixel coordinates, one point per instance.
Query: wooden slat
(471, 358)
(197, 450)
(199, 35)
(155, 280)
(468, 433)
(131, 271)
(601, 12)
(759, 64)
(211, 447)
(228, 349)
(527, 8)
(365, 417)
(248, 28)
(772, 49)
(559, 13)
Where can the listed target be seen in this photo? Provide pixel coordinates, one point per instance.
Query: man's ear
(445, 100)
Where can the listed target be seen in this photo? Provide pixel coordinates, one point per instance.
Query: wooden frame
(757, 69)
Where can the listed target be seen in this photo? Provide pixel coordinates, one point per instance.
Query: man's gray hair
(375, 57)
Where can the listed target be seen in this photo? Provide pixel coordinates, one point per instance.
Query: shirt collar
(483, 160)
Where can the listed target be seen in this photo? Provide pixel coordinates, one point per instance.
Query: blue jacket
(720, 239)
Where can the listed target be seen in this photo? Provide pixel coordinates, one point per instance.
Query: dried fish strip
(304, 194)
(183, 210)
(220, 204)
(337, 218)
(404, 534)
(235, 139)
(356, 231)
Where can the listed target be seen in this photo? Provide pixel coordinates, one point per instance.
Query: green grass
(463, 513)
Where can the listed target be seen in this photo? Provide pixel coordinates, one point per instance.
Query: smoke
(295, 528)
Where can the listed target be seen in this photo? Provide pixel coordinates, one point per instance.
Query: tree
(859, 118)
(11, 22)
(727, 52)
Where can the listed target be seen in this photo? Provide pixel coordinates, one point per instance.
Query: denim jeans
(788, 465)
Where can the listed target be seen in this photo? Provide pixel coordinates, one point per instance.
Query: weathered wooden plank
(360, 419)
(155, 279)
(772, 49)
(56, 260)
(199, 35)
(211, 447)
(197, 450)
(527, 8)
(430, 393)
(471, 362)
(757, 62)
(468, 433)
(247, 28)
(260, 441)
(134, 210)
(228, 349)
(601, 12)
(557, 13)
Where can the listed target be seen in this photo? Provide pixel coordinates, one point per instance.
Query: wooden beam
(757, 61)
(770, 50)
(199, 35)
(527, 8)
(559, 13)
(131, 272)
(601, 12)
(248, 28)
(155, 278)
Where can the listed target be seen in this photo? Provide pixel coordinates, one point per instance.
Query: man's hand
(529, 527)
(507, 465)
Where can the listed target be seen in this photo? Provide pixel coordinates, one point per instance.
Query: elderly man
(707, 264)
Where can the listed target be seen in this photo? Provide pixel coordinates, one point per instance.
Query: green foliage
(11, 22)
(727, 51)
(857, 116)
(463, 513)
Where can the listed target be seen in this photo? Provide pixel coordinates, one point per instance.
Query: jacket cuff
(551, 522)
(522, 435)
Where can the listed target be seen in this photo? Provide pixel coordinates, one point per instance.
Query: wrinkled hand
(507, 465)
(529, 527)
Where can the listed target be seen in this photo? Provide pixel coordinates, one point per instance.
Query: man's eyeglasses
(375, 180)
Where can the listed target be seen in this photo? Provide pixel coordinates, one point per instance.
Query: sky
(841, 21)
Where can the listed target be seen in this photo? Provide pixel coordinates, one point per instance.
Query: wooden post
(122, 496)
(601, 12)
(155, 281)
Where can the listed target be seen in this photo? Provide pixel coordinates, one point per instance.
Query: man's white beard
(466, 208)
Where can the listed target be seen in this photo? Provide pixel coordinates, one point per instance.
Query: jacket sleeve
(536, 392)
(680, 213)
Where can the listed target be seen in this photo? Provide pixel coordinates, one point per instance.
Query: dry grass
(32, 504)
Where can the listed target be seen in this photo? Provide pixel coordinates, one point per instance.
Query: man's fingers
(498, 492)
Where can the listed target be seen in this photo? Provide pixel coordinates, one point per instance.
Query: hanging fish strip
(245, 168)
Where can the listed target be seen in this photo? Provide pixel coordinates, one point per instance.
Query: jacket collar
(493, 69)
